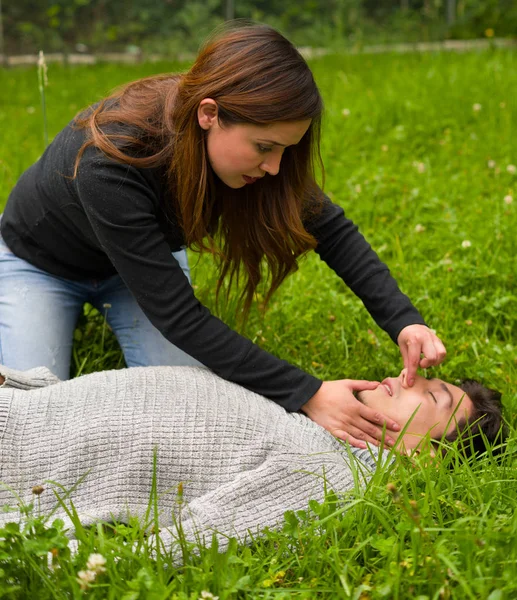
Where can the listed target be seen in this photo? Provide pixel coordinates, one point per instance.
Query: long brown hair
(256, 76)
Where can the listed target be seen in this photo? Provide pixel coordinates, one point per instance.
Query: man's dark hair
(486, 418)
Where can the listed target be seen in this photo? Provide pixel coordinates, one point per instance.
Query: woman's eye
(263, 148)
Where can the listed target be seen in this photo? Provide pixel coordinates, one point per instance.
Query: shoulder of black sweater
(94, 157)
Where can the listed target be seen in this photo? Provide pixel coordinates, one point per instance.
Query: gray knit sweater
(242, 459)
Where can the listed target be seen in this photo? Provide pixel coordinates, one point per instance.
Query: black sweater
(110, 219)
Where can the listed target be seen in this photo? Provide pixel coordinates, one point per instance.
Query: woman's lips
(249, 179)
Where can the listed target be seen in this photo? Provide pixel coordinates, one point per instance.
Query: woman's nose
(271, 165)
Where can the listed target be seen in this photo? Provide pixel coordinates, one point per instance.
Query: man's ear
(426, 446)
(426, 453)
(207, 113)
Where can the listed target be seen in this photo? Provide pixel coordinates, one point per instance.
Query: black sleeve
(346, 251)
(121, 208)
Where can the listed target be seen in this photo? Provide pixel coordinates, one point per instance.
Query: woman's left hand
(415, 340)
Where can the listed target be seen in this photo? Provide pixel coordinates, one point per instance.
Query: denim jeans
(39, 312)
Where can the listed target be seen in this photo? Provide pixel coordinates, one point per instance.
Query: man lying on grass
(242, 460)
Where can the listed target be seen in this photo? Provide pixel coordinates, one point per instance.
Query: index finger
(360, 385)
(374, 416)
(411, 359)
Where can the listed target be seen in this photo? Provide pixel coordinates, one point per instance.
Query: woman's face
(241, 154)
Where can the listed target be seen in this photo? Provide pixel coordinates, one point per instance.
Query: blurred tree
(451, 12)
(176, 25)
(230, 10)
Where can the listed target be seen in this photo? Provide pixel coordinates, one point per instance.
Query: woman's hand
(335, 408)
(415, 340)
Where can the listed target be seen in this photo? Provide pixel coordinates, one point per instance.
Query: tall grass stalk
(42, 84)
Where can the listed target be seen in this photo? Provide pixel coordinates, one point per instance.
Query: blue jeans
(39, 312)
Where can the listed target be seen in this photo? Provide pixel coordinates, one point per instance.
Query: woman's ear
(207, 113)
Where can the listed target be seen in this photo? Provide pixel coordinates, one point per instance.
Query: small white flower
(419, 166)
(96, 563)
(345, 112)
(84, 578)
(508, 199)
(491, 164)
(358, 188)
(476, 107)
(419, 228)
(208, 596)
(466, 244)
(384, 147)
(511, 169)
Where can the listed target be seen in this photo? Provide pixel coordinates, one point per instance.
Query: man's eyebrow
(448, 392)
(272, 142)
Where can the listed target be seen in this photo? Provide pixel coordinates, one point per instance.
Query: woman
(220, 159)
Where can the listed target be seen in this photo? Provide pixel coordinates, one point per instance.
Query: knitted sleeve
(27, 380)
(258, 499)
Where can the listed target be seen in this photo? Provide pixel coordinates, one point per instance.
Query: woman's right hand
(335, 408)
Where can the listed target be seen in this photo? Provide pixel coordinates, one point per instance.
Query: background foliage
(170, 26)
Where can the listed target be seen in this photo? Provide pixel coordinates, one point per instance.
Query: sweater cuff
(27, 380)
(303, 395)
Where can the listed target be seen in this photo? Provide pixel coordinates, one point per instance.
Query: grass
(423, 170)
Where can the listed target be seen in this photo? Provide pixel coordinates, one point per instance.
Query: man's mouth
(388, 387)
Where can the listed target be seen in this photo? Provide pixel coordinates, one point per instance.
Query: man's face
(241, 154)
(434, 400)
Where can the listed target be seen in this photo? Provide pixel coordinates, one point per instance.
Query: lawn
(420, 151)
